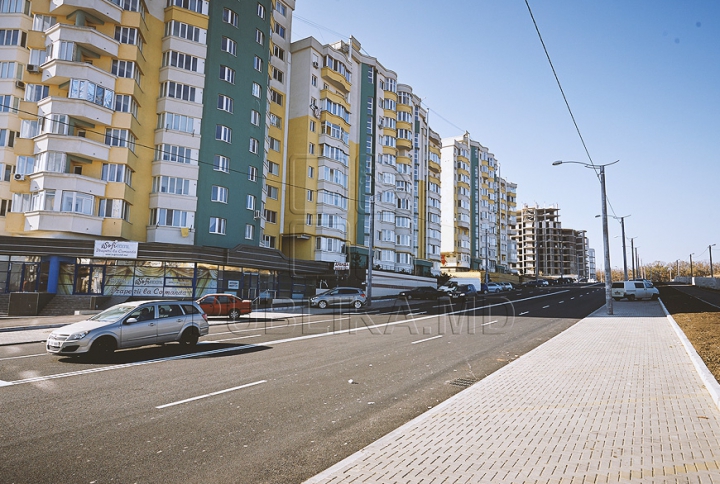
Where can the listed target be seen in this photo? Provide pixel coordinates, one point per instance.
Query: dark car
(463, 292)
(422, 292)
(224, 305)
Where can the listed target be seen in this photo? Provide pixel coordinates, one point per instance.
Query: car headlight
(77, 336)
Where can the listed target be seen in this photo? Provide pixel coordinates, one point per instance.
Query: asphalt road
(261, 401)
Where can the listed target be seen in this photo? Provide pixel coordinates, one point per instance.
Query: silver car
(129, 325)
(343, 296)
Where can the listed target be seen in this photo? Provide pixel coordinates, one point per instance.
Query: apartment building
(478, 211)
(546, 249)
(161, 123)
(359, 151)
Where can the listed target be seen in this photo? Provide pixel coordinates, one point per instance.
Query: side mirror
(130, 321)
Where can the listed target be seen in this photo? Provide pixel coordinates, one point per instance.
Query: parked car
(463, 292)
(632, 290)
(343, 296)
(225, 305)
(536, 283)
(506, 286)
(130, 325)
(422, 292)
(494, 287)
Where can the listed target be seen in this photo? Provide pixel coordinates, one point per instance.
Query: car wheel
(102, 347)
(357, 304)
(322, 304)
(631, 297)
(189, 337)
(617, 298)
(234, 314)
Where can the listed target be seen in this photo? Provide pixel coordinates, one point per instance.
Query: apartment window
(114, 172)
(258, 64)
(217, 225)
(13, 37)
(259, 37)
(276, 97)
(185, 31)
(249, 231)
(128, 35)
(228, 45)
(177, 122)
(221, 163)
(182, 61)
(10, 70)
(227, 74)
(250, 202)
(5, 206)
(275, 120)
(308, 219)
(174, 153)
(9, 104)
(310, 196)
(127, 69)
(223, 133)
(125, 103)
(254, 117)
(168, 217)
(261, 11)
(281, 8)
(311, 171)
(313, 80)
(256, 90)
(219, 194)
(278, 75)
(225, 103)
(278, 52)
(252, 173)
(177, 90)
(230, 17)
(171, 184)
(280, 30)
(199, 6)
(272, 192)
(109, 208)
(254, 146)
(270, 216)
(312, 126)
(7, 138)
(269, 241)
(273, 169)
(77, 202)
(274, 144)
(122, 138)
(311, 148)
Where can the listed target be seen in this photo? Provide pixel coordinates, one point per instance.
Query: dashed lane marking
(219, 392)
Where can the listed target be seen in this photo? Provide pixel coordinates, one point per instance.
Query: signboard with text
(116, 249)
(341, 266)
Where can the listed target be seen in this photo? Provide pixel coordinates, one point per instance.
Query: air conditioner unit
(20, 84)
(316, 65)
(33, 68)
(19, 177)
(81, 133)
(257, 214)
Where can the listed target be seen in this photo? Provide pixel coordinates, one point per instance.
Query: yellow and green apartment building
(477, 232)
(143, 148)
(362, 164)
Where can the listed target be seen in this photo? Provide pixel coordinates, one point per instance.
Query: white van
(632, 290)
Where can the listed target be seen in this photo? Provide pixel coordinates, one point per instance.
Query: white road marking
(545, 307)
(427, 339)
(5, 383)
(210, 394)
(561, 302)
(24, 356)
(525, 312)
(491, 322)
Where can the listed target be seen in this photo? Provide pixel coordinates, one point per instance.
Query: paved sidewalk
(612, 399)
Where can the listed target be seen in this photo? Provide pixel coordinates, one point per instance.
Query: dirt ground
(699, 321)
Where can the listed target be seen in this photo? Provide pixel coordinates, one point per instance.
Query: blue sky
(642, 78)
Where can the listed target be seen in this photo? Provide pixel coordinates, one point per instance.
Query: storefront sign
(342, 266)
(116, 249)
(233, 284)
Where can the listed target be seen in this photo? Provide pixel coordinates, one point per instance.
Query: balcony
(86, 37)
(77, 108)
(48, 180)
(72, 145)
(56, 72)
(171, 235)
(50, 221)
(102, 9)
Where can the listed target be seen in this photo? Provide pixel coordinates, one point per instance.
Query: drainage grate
(463, 382)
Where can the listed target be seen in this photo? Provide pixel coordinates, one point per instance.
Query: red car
(224, 305)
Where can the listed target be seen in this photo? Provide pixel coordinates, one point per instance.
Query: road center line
(210, 394)
(491, 322)
(545, 307)
(524, 312)
(426, 339)
(23, 356)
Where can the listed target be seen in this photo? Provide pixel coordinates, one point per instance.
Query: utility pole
(691, 269)
(712, 274)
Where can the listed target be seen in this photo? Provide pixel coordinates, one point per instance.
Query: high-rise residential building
(478, 209)
(361, 160)
(546, 249)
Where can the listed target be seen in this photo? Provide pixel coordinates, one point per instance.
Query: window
(250, 202)
(273, 169)
(10, 70)
(114, 172)
(9, 104)
(225, 103)
(217, 225)
(279, 53)
(254, 117)
(312, 126)
(259, 37)
(268, 241)
(171, 184)
(254, 145)
(311, 171)
(168, 217)
(272, 192)
(223, 133)
(122, 138)
(258, 64)
(177, 122)
(182, 61)
(279, 29)
(40, 22)
(278, 75)
(275, 120)
(227, 74)
(185, 31)
(199, 6)
(77, 202)
(219, 194)
(276, 97)
(270, 216)
(311, 148)
(310, 195)
(249, 231)
(108, 208)
(252, 173)
(230, 17)
(129, 35)
(5, 206)
(89, 91)
(126, 69)
(308, 219)
(281, 8)
(177, 154)
(256, 90)
(176, 90)
(221, 163)
(228, 45)
(125, 103)
(13, 37)
(261, 11)
(274, 144)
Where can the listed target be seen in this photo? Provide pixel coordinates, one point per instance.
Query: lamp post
(632, 256)
(691, 268)
(712, 274)
(608, 273)
(622, 225)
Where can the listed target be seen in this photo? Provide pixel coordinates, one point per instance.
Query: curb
(708, 379)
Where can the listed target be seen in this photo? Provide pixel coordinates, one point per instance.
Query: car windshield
(114, 313)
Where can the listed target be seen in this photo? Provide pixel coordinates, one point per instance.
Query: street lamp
(712, 274)
(608, 274)
(691, 268)
(632, 255)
